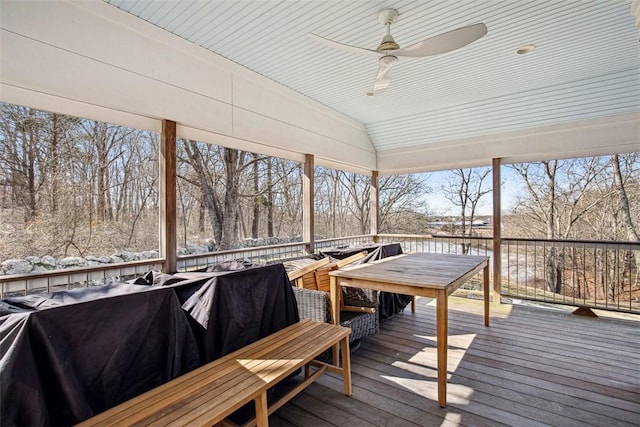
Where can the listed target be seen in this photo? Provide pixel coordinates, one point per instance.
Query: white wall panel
(255, 127)
(282, 107)
(19, 96)
(49, 70)
(73, 27)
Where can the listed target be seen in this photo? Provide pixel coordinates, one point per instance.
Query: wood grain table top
(433, 271)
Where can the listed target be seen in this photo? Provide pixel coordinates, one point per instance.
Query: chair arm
(314, 305)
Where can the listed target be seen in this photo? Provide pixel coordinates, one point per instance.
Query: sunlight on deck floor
(532, 367)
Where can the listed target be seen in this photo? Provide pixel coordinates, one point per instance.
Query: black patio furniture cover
(231, 309)
(390, 303)
(69, 355)
(386, 250)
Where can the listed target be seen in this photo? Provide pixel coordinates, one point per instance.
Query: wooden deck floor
(532, 367)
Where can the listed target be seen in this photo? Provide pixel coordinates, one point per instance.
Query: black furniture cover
(231, 309)
(385, 250)
(69, 355)
(390, 303)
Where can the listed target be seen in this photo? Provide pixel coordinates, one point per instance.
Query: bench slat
(257, 376)
(191, 381)
(213, 391)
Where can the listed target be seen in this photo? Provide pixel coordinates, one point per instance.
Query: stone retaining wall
(36, 264)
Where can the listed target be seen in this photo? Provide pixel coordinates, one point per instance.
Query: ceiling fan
(389, 51)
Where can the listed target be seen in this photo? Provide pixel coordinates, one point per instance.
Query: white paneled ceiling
(586, 65)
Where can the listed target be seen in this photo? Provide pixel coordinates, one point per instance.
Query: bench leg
(262, 410)
(346, 366)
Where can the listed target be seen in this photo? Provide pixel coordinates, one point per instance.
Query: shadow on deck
(532, 367)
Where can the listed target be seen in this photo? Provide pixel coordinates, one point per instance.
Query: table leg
(486, 295)
(346, 366)
(335, 300)
(413, 303)
(334, 296)
(442, 321)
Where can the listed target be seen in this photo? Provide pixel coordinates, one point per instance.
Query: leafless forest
(76, 187)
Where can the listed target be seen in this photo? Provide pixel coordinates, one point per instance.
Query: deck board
(532, 367)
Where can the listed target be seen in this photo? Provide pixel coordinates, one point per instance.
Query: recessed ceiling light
(527, 48)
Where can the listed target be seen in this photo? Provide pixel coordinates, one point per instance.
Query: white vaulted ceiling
(245, 73)
(586, 65)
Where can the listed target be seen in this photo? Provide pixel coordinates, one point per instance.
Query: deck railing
(597, 274)
(24, 284)
(257, 255)
(594, 274)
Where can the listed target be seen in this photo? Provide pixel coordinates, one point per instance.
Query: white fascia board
(289, 119)
(42, 101)
(262, 148)
(593, 137)
(234, 142)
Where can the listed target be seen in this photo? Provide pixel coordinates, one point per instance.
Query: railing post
(375, 199)
(497, 232)
(168, 238)
(308, 231)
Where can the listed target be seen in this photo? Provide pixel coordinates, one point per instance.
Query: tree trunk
(632, 233)
(101, 152)
(54, 161)
(232, 160)
(201, 216)
(206, 187)
(269, 199)
(630, 257)
(255, 223)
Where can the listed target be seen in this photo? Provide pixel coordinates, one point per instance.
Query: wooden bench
(209, 394)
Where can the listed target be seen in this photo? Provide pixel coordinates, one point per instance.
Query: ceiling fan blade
(345, 47)
(383, 78)
(445, 42)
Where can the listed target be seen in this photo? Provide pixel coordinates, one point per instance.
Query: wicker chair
(311, 289)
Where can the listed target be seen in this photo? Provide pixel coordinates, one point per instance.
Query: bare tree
(556, 194)
(401, 203)
(464, 190)
(632, 233)
(269, 199)
(207, 177)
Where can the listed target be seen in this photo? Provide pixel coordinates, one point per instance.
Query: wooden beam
(308, 231)
(497, 231)
(168, 238)
(375, 200)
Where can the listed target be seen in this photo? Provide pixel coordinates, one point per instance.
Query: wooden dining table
(419, 274)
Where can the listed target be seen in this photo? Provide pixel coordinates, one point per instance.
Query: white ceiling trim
(592, 137)
(611, 94)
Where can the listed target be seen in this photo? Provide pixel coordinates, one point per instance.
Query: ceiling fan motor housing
(388, 43)
(386, 18)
